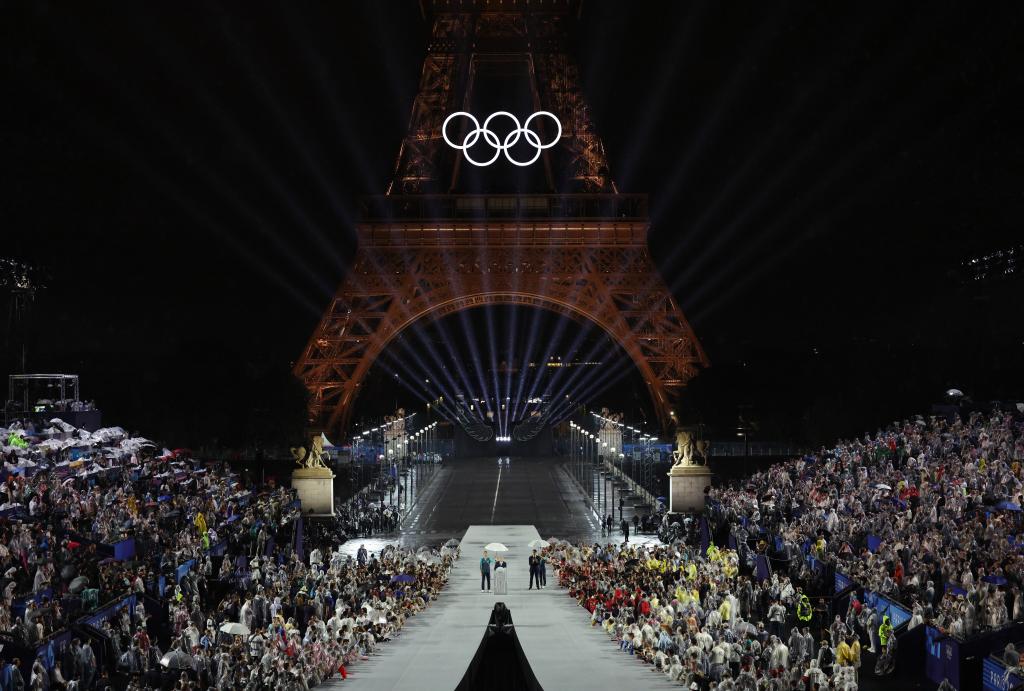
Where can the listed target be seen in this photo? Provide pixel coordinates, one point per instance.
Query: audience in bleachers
(215, 590)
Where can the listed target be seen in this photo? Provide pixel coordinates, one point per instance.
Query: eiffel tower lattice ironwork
(427, 250)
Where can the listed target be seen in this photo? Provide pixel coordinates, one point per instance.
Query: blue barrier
(52, 649)
(942, 660)
(109, 611)
(705, 535)
(124, 550)
(883, 605)
(19, 604)
(955, 590)
(843, 582)
(995, 678)
(183, 569)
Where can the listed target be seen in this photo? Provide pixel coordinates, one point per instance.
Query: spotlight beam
(837, 121)
(897, 117)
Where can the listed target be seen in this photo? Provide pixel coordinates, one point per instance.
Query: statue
(683, 455)
(314, 457)
(609, 420)
(703, 449)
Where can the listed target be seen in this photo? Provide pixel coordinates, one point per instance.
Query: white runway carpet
(564, 651)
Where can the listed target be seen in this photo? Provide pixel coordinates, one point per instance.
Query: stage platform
(564, 651)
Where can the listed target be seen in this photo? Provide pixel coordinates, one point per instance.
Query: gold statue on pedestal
(685, 447)
(683, 455)
(312, 458)
(703, 449)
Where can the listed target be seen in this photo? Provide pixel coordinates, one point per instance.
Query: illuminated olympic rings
(511, 139)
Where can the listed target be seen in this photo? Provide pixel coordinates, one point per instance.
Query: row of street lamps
(641, 466)
(395, 449)
(593, 463)
(588, 460)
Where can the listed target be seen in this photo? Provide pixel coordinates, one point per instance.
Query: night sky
(185, 175)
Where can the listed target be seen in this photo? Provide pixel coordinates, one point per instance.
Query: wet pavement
(475, 491)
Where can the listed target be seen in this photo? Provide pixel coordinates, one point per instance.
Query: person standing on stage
(534, 570)
(542, 571)
(485, 572)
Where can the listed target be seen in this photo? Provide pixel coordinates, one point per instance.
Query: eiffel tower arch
(436, 244)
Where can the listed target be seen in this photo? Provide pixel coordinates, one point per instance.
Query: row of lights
(366, 433)
(415, 435)
(503, 439)
(620, 424)
(594, 437)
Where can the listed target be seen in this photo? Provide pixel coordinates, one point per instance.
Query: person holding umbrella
(534, 570)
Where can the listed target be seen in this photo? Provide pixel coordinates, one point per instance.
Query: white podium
(686, 487)
(315, 487)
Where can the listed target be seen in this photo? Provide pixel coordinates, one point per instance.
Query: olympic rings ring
(492, 139)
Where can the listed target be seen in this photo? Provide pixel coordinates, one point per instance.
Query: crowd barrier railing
(995, 676)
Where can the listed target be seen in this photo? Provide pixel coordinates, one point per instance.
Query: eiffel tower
(440, 240)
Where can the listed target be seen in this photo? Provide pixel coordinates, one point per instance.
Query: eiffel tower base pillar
(315, 487)
(687, 485)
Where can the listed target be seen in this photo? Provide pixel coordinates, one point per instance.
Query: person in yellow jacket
(884, 631)
(713, 552)
(201, 522)
(730, 570)
(819, 548)
(844, 654)
(725, 611)
(804, 612)
(855, 654)
(691, 571)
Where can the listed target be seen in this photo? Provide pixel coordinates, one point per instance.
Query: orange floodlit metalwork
(425, 254)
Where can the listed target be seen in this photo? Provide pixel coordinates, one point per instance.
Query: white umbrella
(235, 628)
(538, 544)
(954, 393)
(495, 547)
(177, 659)
(881, 486)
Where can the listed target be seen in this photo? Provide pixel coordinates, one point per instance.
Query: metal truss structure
(425, 252)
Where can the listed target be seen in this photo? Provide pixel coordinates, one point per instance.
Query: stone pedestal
(315, 487)
(686, 487)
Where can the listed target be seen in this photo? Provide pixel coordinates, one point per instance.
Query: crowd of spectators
(702, 623)
(212, 590)
(939, 498)
(925, 512)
